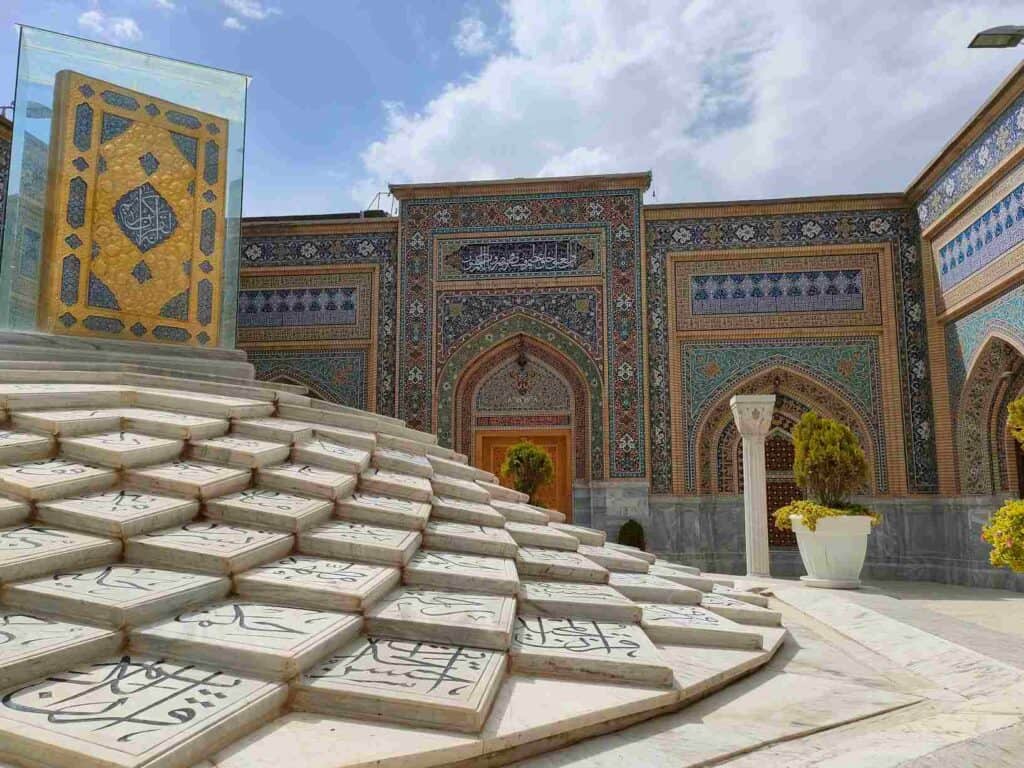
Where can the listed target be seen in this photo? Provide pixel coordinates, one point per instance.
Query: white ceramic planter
(833, 553)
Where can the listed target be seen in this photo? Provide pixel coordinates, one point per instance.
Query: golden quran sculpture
(133, 246)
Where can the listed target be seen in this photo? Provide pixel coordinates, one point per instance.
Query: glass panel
(124, 195)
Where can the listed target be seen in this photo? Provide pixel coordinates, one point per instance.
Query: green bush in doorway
(528, 466)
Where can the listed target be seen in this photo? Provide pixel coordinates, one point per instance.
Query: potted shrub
(1005, 531)
(832, 533)
(529, 467)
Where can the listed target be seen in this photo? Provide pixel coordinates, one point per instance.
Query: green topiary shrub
(528, 466)
(1005, 532)
(811, 513)
(631, 533)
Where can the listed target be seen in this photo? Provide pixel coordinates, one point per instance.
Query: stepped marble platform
(190, 568)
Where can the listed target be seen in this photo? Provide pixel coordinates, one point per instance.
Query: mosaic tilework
(616, 215)
(379, 248)
(1002, 137)
(775, 292)
(338, 375)
(895, 227)
(533, 387)
(561, 255)
(5, 164)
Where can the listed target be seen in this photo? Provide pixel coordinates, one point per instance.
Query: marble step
(573, 600)
(306, 478)
(69, 423)
(116, 595)
(119, 512)
(169, 714)
(318, 583)
(436, 616)
(13, 512)
(467, 490)
(587, 536)
(457, 469)
(446, 453)
(515, 512)
(16, 447)
(394, 443)
(192, 479)
(685, 579)
(471, 539)
(399, 681)
(384, 482)
(529, 535)
(208, 546)
(27, 551)
(556, 565)
(584, 649)
(121, 450)
(35, 645)
(459, 571)
(322, 418)
(462, 511)
(687, 570)
(217, 406)
(363, 543)
(738, 611)
(383, 510)
(693, 625)
(273, 430)
(633, 552)
(177, 426)
(554, 516)
(364, 441)
(34, 396)
(652, 589)
(327, 453)
(744, 597)
(239, 450)
(501, 493)
(274, 642)
(403, 462)
(53, 478)
(267, 508)
(614, 560)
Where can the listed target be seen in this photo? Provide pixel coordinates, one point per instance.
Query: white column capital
(753, 414)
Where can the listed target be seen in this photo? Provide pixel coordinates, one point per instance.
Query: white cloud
(471, 37)
(167, 5)
(721, 100)
(233, 23)
(251, 9)
(118, 29)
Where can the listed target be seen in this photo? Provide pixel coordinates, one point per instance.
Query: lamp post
(998, 37)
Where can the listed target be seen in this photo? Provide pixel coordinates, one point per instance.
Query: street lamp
(998, 37)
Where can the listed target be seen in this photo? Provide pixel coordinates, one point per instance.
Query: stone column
(753, 415)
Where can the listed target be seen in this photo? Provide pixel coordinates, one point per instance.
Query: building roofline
(604, 181)
(372, 215)
(781, 204)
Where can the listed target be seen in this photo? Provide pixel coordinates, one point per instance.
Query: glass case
(124, 195)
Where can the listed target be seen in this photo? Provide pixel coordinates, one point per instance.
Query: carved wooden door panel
(778, 455)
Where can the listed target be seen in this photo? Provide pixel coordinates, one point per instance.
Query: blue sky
(719, 100)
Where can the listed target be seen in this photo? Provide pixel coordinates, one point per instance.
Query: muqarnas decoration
(134, 236)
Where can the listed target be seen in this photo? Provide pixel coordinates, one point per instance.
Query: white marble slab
(202, 404)
(684, 569)
(397, 443)
(402, 461)
(653, 589)
(177, 426)
(501, 493)
(52, 478)
(585, 649)
(327, 453)
(274, 430)
(387, 483)
(383, 510)
(208, 546)
(439, 686)
(260, 639)
(121, 449)
(194, 479)
(364, 441)
(693, 625)
(119, 512)
(744, 597)
(116, 595)
(318, 583)
(556, 565)
(462, 511)
(472, 539)
(31, 550)
(613, 560)
(457, 469)
(741, 612)
(267, 508)
(633, 552)
(355, 421)
(68, 423)
(13, 512)
(530, 535)
(515, 512)
(432, 615)
(32, 396)
(459, 489)
(567, 599)
(587, 536)
(131, 711)
(554, 516)
(34, 645)
(456, 570)
(684, 579)
(239, 450)
(307, 478)
(360, 542)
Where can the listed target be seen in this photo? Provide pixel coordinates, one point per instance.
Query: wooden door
(781, 489)
(490, 447)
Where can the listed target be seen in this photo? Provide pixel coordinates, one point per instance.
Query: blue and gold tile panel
(774, 292)
(544, 254)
